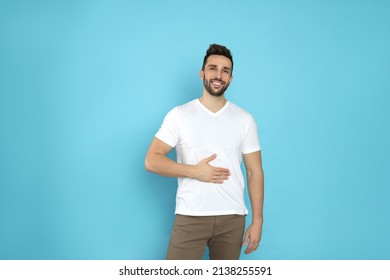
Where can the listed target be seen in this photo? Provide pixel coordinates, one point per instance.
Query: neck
(213, 103)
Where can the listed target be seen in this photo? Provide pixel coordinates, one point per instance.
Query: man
(211, 135)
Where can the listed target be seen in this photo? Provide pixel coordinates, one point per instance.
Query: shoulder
(187, 106)
(187, 109)
(180, 110)
(240, 112)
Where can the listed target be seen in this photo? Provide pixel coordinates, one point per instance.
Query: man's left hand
(253, 235)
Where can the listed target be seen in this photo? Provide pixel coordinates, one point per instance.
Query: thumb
(211, 158)
(246, 238)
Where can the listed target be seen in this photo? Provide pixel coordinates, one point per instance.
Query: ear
(201, 74)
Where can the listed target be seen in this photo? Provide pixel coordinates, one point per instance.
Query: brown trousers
(191, 234)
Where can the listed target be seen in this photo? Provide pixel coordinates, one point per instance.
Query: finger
(251, 247)
(221, 169)
(210, 158)
(215, 181)
(221, 176)
(248, 250)
(222, 173)
(246, 238)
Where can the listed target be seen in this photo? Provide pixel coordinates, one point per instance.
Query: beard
(209, 89)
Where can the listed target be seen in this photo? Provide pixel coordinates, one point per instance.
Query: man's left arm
(255, 179)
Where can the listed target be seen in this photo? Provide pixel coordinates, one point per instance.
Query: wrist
(192, 172)
(257, 221)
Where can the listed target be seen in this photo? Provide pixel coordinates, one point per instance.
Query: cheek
(226, 77)
(227, 80)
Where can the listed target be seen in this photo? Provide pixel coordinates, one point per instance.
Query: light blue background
(85, 85)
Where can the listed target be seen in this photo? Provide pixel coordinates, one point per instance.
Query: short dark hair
(216, 49)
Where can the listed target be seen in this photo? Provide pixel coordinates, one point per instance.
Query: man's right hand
(156, 161)
(207, 173)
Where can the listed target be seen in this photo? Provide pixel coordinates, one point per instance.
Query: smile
(217, 83)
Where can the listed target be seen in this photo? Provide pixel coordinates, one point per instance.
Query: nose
(219, 74)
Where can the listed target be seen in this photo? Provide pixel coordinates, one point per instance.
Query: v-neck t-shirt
(197, 133)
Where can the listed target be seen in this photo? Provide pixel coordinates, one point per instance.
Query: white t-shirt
(197, 133)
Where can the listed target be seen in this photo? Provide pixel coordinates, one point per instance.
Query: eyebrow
(223, 67)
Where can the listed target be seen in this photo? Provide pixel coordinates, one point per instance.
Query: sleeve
(170, 129)
(251, 139)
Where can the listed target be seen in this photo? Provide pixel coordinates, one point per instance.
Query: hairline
(231, 62)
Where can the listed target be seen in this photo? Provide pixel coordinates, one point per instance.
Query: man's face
(217, 74)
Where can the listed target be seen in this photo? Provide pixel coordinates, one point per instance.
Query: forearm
(162, 165)
(256, 195)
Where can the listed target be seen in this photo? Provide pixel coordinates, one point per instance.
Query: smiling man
(211, 136)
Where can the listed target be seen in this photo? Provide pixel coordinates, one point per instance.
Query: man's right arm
(157, 161)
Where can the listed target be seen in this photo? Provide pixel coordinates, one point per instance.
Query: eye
(226, 71)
